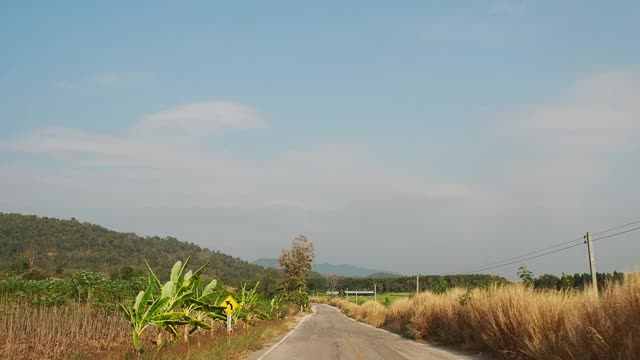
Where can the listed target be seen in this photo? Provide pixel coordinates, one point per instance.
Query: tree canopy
(45, 246)
(296, 263)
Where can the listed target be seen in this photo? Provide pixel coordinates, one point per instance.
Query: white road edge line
(365, 324)
(290, 332)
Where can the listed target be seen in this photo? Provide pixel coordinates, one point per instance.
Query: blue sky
(431, 134)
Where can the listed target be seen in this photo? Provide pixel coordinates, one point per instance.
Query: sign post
(230, 305)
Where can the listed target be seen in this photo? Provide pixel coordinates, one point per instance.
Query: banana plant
(170, 305)
(202, 305)
(249, 302)
(275, 306)
(144, 312)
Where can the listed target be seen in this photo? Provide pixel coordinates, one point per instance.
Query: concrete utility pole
(592, 263)
(375, 292)
(417, 284)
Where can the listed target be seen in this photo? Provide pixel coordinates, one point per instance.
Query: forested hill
(54, 247)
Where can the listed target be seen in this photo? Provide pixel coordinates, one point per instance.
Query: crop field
(385, 299)
(518, 322)
(181, 317)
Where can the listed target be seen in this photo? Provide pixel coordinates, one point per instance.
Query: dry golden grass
(85, 332)
(38, 332)
(370, 312)
(517, 322)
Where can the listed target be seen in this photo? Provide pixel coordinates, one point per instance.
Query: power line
(529, 258)
(616, 228)
(616, 234)
(519, 257)
(527, 254)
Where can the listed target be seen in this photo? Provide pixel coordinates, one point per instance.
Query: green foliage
(406, 284)
(465, 298)
(441, 287)
(296, 263)
(181, 301)
(36, 292)
(51, 246)
(106, 293)
(576, 281)
(525, 275)
(184, 304)
(84, 283)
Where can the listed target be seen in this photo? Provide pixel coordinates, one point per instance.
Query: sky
(415, 136)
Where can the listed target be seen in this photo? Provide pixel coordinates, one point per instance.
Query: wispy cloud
(169, 145)
(102, 79)
(109, 78)
(563, 150)
(597, 115)
(203, 118)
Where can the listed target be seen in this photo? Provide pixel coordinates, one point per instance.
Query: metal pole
(228, 323)
(417, 284)
(356, 296)
(592, 263)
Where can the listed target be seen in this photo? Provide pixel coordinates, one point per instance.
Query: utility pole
(592, 263)
(375, 292)
(417, 284)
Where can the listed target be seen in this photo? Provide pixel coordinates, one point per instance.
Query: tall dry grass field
(38, 332)
(516, 322)
(78, 331)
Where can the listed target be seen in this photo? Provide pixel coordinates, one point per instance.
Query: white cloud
(203, 118)
(165, 151)
(563, 150)
(110, 78)
(163, 173)
(600, 114)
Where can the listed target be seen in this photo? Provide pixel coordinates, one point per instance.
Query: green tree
(85, 281)
(525, 275)
(296, 263)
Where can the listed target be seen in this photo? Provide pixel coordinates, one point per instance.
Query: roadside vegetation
(81, 331)
(88, 315)
(518, 321)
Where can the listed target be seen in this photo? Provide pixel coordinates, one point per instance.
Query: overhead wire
(529, 258)
(527, 254)
(616, 234)
(519, 258)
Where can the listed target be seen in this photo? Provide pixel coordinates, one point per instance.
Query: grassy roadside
(241, 343)
(516, 322)
(84, 332)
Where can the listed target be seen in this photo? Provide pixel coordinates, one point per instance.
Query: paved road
(328, 334)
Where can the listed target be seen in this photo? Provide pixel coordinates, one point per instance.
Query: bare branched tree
(332, 281)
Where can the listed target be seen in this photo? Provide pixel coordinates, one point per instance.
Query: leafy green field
(385, 299)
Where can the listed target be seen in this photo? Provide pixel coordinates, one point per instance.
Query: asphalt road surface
(329, 334)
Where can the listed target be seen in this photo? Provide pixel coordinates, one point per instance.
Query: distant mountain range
(345, 270)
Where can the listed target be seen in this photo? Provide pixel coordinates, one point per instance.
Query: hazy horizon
(416, 137)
